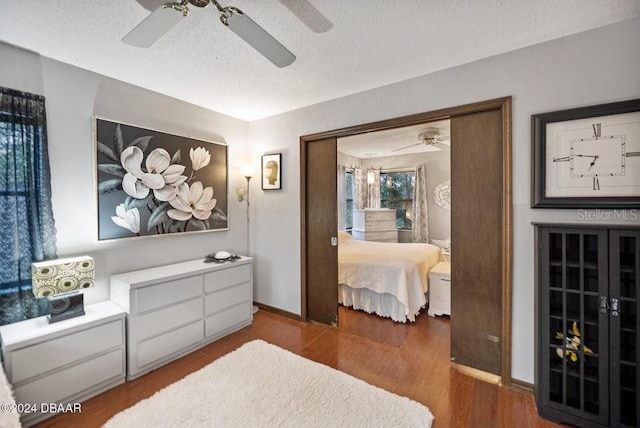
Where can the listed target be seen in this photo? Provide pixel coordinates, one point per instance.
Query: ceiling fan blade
(405, 147)
(258, 38)
(308, 15)
(156, 25)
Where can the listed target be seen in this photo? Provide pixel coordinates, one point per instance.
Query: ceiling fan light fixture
(256, 36)
(156, 25)
(168, 15)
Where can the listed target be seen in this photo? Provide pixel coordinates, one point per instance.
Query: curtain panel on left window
(26, 216)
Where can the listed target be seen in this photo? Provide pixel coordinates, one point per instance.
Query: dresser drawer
(439, 295)
(159, 347)
(379, 215)
(370, 219)
(49, 355)
(226, 277)
(62, 385)
(380, 236)
(380, 220)
(228, 318)
(228, 297)
(167, 293)
(157, 322)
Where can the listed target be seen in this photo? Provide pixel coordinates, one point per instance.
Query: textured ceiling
(394, 142)
(343, 47)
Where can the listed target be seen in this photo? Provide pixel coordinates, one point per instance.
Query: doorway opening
(481, 269)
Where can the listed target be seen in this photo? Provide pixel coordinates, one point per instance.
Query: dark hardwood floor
(408, 359)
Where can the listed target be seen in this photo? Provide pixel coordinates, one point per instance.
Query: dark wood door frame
(502, 104)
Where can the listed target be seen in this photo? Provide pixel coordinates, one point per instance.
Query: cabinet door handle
(604, 305)
(615, 311)
(445, 279)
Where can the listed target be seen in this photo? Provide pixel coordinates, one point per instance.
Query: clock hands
(593, 162)
(568, 158)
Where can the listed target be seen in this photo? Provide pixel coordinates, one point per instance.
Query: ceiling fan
(169, 14)
(429, 137)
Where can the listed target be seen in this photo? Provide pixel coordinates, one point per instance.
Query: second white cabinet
(175, 309)
(440, 289)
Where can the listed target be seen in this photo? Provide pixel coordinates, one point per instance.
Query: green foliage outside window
(396, 191)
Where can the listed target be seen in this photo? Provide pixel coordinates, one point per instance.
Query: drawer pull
(445, 279)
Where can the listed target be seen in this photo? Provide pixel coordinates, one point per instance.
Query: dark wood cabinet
(587, 325)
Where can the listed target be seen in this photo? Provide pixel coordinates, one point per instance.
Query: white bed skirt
(382, 304)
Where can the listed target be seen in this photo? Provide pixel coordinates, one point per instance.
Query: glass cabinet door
(625, 327)
(574, 340)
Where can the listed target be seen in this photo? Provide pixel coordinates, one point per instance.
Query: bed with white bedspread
(387, 279)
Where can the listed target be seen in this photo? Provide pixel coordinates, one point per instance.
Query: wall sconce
(371, 177)
(243, 194)
(60, 281)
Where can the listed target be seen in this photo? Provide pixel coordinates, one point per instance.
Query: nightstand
(440, 289)
(65, 362)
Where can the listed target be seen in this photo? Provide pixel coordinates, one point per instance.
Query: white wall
(598, 66)
(73, 96)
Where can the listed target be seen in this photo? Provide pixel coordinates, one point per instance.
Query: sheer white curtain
(420, 211)
(373, 189)
(360, 194)
(342, 198)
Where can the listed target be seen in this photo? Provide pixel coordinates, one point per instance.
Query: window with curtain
(26, 216)
(396, 191)
(349, 197)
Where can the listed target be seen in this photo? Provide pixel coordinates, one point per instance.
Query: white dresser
(440, 289)
(175, 309)
(65, 362)
(375, 224)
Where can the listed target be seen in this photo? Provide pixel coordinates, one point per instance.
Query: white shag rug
(9, 417)
(262, 385)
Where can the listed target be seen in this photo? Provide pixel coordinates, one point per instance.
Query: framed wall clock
(587, 157)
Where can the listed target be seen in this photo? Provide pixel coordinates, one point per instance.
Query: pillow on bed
(343, 236)
(445, 244)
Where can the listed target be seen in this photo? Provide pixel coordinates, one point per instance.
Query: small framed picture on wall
(272, 171)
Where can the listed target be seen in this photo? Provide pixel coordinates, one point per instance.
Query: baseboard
(521, 386)
(478, 374)
(277, 311)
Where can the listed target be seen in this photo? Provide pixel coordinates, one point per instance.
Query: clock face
(593, 157)
(597, 156)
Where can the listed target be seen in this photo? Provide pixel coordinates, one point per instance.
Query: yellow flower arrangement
(572, 344)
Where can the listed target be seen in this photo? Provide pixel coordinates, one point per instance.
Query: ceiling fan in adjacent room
(169, 14)
(431, 137)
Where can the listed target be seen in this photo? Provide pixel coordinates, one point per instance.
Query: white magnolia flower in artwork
(442, 194)
(161, 176)
(200, 158)
(195, 201)
(129, 219)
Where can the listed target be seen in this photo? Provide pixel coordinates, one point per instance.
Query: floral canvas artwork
(153, 183)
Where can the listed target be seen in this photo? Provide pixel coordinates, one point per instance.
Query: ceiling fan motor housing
(199, 3)
(429, 134)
